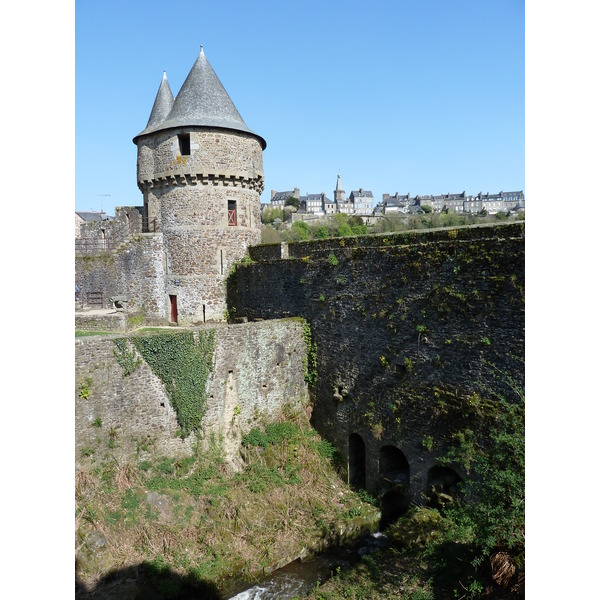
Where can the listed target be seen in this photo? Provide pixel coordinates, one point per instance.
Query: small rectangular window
(231, 212)
(184, 144)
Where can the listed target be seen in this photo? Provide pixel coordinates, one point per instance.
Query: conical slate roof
(201, 102)
(162, 105)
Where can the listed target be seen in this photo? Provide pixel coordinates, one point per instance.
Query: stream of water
(299, 577)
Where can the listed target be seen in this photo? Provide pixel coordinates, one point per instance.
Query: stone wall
(413, 331)
(136, 271)
(258, 372)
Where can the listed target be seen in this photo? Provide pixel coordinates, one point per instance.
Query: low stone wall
(92, 321)
(257, 373)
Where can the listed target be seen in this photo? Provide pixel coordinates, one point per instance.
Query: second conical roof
(162, 104)
(202, 102)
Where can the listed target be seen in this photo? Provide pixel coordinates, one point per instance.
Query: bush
(321, 232)
(269, 215)
(270, 235)
(299, 231)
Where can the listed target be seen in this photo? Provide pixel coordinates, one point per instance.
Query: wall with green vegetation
(161, 392)
(417, 334)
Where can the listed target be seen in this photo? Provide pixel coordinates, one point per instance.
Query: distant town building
(278, 199)
(315, 203)
(393, 204)
(360, 202)
(452, 203)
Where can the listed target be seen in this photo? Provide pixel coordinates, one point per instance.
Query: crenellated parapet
(227, 179)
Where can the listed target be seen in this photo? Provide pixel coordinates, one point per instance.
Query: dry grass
(231, 525)
(126, 476)
(85, 484)
(503, 568)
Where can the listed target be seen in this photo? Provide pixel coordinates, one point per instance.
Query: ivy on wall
(310, 360)
(126, 358)
(183, 363)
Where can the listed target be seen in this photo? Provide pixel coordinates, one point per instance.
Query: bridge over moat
(416, 334)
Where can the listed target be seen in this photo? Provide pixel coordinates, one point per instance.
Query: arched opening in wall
(393, 506)
(393, 465)
(357, 463)
(442, 487)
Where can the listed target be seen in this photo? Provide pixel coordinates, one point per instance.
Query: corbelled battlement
(226, 179)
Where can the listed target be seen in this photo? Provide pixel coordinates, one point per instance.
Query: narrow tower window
(231, 212)
(184, 144)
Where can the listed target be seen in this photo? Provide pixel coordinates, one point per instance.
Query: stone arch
(393, 465)
(393, 505)
(442, 486)
(357, 461)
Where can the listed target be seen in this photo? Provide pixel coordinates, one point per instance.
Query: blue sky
(425, 96)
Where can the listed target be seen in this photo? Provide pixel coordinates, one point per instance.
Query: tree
(269, 214)
(489, 522)
(321, 232)
(299, 231)
(292, 201)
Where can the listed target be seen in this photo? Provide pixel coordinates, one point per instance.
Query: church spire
(339, 195)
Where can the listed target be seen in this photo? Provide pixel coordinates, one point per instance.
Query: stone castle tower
(200, 171)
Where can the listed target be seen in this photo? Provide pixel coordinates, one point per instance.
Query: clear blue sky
(425, 96)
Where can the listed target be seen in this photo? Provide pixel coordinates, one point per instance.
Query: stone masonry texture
(258, 373)
(412, 329)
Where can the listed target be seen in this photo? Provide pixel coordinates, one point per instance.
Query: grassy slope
(197, 521)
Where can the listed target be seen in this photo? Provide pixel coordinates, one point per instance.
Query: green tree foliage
(494, 504)
(344, 230)
(299, 231)
(320, 232)
(491, 516)
(292, 201)
(269, 215)
(342, 225)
